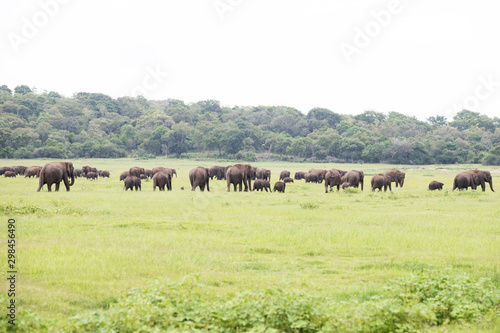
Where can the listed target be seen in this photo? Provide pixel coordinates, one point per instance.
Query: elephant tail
(41, 181)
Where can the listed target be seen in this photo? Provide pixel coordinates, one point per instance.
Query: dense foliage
(48, 125)
(428, 299)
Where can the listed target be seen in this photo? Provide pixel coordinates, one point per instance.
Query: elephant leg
(57, 187)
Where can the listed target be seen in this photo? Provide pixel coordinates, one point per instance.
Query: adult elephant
(435, 185)
(354, 178)
(381, 180)
(219, 172)
(240, 174)
(332, 178)
(396, 176)
(160, 179)
(312, 177)
(136, 171)
(5, 169)
(465, 180)
(19, 170)
(483, 177)
(55, 173)
(261, 185)
(284, 174)
(168, 172)
(199, 177)
(86, 169)
(299, 175)
(124, 175)
(132, 182)
(262, 173)
(33, 171)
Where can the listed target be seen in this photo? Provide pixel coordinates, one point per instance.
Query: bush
(404, 305)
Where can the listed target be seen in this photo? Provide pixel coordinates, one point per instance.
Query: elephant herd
(238, 176)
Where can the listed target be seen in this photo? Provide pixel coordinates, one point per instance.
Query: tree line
(92, 125)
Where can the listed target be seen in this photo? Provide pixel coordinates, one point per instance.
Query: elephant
(312, 177)
(104, 174)
(33, 171)
(166, 171)
(280, 187)
(346, 185)
(161, 179)
(299, 175)
(288, 180)
(136, 171)
(284, 174)
(199, 177)
(86, 169)
(240, 174)
(464, 180)
(482, 177)
(261, 185)
(54, 173)
(124, 175)
(435, 185)
(381, 180)
(148, 173)
(396, 176)
(132, 181)
(19, 170)
(261, 173)
(5, 169)
(218, 172)
(10, 174)
(332, 178)
(234, 176)
(77, 173)
(92, 175)
(354, 178)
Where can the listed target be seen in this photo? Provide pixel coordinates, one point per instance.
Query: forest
(94, 125)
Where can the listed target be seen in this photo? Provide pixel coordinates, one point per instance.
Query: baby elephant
(434, 185)
(261, 185)
(288, 180)
(346, 185)
(280, 187)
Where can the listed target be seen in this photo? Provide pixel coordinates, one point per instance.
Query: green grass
(80, 250)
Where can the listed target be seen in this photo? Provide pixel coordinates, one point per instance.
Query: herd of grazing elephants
(239, 175)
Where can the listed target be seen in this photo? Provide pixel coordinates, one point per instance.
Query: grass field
(81, 250)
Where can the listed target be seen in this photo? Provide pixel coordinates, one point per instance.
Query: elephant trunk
(491, 185)
(72, 182)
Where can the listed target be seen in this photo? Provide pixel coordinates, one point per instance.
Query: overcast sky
(418, 57)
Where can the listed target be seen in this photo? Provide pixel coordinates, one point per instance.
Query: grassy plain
(80, 250)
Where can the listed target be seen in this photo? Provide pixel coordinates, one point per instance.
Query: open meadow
(82, 250)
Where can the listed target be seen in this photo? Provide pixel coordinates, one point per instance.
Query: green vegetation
(98, 258)
(91, 125)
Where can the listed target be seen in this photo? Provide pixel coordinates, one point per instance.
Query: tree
(6, 89)
(22, 89)
(438, 121)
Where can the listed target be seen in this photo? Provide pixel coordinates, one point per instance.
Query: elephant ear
(69, 167)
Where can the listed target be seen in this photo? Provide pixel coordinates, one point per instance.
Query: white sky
(423, 58)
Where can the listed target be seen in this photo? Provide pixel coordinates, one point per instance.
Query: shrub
(405, 305)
